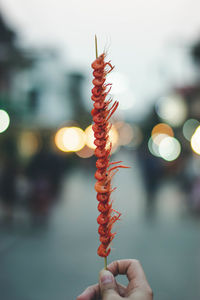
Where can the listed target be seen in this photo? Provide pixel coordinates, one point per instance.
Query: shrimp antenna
(107, 45)
(96, 46)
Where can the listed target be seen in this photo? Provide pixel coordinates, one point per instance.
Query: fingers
(121, 289)
(92, 292)
(108, 286)
(131, 268)
(134, 271)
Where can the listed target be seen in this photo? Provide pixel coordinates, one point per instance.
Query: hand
(108, 288)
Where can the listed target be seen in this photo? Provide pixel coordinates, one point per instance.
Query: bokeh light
(162, 128)
(157, 139)
(59, 139)
(85, 152)
(161, 131)
(89, 137)
(125, 133)
(70, 139)
(169, 148)
(28, 143)
(121, 89)
(73, 139)
(113, 137)
(189, 128)
(163, 144)
(4, 120)
(153, 148)
(172, 109)
(126, 100)
(195, 141)
(119, 82)
(137, 137)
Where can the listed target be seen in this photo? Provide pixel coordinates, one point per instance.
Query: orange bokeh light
(162, 128)
(85, 152)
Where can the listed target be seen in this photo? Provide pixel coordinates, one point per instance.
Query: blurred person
(152, 167)
(190, 182)
(152, 174)
(195, 197)
(44, 172)
(23, 190)
(8, 188)
(109, 289)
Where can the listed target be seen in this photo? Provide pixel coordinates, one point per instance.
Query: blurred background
(48, 207)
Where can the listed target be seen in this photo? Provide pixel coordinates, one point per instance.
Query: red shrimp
(101, 114)
(102, 197)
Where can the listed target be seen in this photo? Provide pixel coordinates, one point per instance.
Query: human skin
(108, 288)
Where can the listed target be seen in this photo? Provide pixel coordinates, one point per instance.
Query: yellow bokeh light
(59, 139)
(74, 139)
(89, 140)
(195, 141)
(69, 139)
(113, 137)
(28, 143)
(4, 120)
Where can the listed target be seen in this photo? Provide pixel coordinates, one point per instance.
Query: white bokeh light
(74, 139)
(153, 148)
(4, 120)
(189, 128)
(169, 148)
(119, 82)
(172, 109)
(121, 90)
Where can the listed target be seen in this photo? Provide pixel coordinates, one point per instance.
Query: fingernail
(106, 277)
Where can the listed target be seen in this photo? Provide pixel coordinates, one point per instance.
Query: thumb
(107, 285)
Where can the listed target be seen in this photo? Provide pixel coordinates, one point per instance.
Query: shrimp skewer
(101, 114)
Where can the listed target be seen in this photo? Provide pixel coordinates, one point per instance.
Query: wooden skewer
(105, 262)
(96, 46)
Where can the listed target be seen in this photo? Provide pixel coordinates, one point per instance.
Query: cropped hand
(108, 288)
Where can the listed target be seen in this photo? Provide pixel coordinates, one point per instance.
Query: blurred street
(59, 260)
(119, 82)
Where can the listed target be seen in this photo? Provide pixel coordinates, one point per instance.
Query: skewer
(105, 262)
(96, 50)
(96, 46)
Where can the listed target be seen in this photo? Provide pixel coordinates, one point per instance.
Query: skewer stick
(105, 263)
(96, 46)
